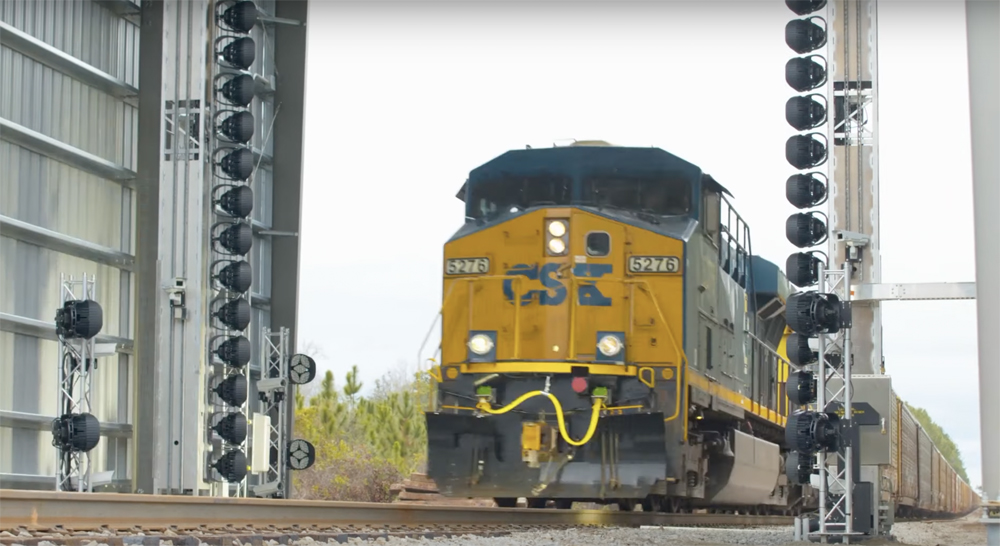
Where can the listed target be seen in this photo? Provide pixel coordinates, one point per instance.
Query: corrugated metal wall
(54, 192)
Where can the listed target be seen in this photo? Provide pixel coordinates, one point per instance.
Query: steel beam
(45, 482)
(172, 247)
(914, 291)
(290, 58)
(60, 151)
(47, 330)
(67, 64)
(260, 302)
(72, 246)
(147, 286)
(34, 421)
(983, 27)
(123, 8)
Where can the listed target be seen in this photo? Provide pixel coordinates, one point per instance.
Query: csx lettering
(554, 291)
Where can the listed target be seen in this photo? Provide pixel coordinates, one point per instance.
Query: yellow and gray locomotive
(608, 336)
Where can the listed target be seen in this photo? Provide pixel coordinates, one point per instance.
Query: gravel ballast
(962, 532)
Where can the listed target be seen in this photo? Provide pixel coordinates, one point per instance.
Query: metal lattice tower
(272, 394)
(76, 431)
(836, 500)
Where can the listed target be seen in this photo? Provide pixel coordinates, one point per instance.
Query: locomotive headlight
(609, 345)
(556, 246)
(480, 344)
(557, 228)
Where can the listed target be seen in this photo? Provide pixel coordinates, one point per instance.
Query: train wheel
(536, 503)
(564, 504)
(651, 504)
(626, 505)
(505, 502)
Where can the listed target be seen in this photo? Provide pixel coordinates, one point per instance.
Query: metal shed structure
(108, 112)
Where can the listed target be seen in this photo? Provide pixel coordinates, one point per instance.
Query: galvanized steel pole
(983, 26)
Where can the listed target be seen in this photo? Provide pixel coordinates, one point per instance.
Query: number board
(467, 266)
(654, 264)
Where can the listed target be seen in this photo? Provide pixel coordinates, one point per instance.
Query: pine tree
(353, 385)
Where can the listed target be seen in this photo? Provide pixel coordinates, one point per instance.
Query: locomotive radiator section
(746, 474)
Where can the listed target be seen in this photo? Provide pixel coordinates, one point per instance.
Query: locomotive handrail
(517, 280)
(517, 307)
(772, 351)
(678, 349)
(440, 313)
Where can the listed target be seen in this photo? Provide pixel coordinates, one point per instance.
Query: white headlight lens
(557, 229)
(557, 246)
(480, 344)
(609, 345)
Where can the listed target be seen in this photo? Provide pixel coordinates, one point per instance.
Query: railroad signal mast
(276, 455)
(834, 115)
(214, 100)
(76, 431)
(230, 170)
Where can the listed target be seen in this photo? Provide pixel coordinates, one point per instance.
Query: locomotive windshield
(654, 195)
(648, 184)
(650, 194)
(488, 198)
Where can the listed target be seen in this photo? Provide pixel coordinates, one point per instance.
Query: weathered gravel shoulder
(961, 532)
(765, 536)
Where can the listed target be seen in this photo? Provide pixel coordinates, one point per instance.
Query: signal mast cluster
(823, 436)
(232, 164)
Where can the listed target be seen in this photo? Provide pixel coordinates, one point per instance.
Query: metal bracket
(846, 317)
(853, 242)
(914, 291)
(177, 293)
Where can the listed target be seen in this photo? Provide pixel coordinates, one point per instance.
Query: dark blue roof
(576, 162)
(768, 280)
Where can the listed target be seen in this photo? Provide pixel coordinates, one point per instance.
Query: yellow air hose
(598, 404)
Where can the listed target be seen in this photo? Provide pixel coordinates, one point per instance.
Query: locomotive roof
(582, 159)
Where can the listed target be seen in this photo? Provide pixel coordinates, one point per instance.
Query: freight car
(923, 483)
(608, 336)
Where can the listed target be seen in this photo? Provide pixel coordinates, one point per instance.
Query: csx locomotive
(608, 336)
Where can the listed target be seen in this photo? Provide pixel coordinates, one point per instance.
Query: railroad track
(30, 517)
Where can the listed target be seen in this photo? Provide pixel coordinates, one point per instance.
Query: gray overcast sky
(405, 98)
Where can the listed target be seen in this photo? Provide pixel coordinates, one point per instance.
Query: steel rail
(52, 509)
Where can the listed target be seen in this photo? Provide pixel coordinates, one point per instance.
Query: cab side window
(710, 215)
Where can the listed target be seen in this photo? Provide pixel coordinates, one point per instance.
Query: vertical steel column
(852, 87)
(983, 26)
(290, 54)
(847, 394)
(171, 241)
(821, 457)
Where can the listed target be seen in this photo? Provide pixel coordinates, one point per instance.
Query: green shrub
(363, 445)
